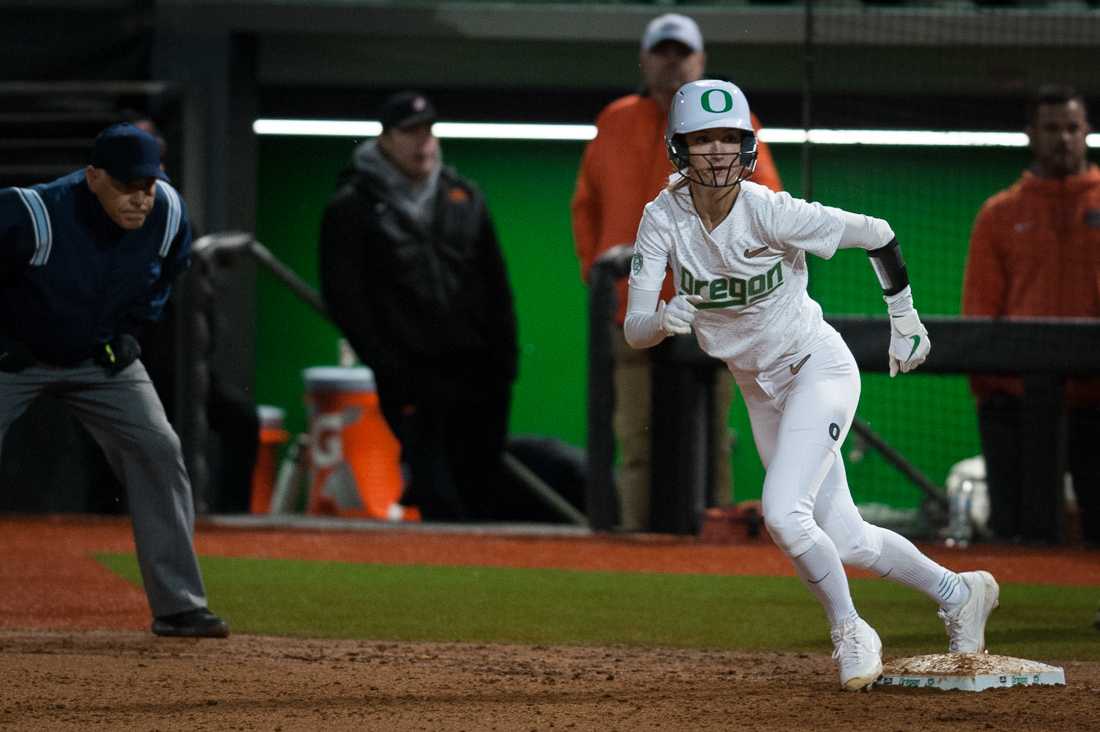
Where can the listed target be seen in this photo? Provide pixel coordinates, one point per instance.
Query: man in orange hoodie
(1035, 251)
(623, 169)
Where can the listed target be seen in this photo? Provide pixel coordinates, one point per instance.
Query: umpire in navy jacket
(86, 261)
(412, 273)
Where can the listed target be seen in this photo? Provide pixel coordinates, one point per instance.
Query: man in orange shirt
(623, 169)
(1035, 251)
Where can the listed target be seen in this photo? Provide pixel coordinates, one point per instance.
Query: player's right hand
(14, 357)
(678, 315)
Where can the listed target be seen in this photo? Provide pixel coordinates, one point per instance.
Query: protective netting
(945, 68)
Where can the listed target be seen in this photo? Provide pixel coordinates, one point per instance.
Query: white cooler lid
(270, 416)
(338, 378)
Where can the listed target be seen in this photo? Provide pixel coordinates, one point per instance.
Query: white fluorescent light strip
(498, 131)
(770, 135)
(904, 138)
(318, 127)
(451, 130)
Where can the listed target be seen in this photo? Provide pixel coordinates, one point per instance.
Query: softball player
(737, 252)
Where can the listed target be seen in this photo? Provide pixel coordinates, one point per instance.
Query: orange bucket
(272, 439)
(354, 458)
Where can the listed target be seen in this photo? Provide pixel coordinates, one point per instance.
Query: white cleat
(857, 651)
(966, 626)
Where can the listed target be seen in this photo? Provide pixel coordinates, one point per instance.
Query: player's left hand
(118, 353)
(909, 342)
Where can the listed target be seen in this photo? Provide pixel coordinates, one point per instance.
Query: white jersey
(750, 271)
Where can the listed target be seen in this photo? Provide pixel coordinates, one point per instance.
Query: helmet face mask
(714, 168)
(705, 105)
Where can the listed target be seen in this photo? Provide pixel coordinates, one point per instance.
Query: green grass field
(538, 606)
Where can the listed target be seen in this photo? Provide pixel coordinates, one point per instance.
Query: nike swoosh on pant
(796, 367)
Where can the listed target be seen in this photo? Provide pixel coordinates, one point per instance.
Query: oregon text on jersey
(726, 292)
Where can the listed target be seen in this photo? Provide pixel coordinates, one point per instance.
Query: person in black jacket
(412, 274)
(86, 262)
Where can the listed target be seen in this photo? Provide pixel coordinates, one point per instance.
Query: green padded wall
(527, 186)
(929, 196)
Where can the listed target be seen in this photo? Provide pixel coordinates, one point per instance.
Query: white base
(968, 672)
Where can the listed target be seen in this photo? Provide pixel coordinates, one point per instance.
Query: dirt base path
(129, 680)
(74, 653)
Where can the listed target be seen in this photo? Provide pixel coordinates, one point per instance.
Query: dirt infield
(129, 680)
(74, 653)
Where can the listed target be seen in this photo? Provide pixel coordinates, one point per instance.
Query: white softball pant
(800, 416)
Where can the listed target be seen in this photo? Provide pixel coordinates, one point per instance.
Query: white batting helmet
(704, 105)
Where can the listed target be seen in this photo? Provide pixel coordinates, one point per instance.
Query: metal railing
(232, 245)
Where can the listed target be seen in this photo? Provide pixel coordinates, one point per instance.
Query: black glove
(14, 357)
(118, 353)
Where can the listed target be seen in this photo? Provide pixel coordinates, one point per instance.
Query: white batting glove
(909, 342)
(678, 315)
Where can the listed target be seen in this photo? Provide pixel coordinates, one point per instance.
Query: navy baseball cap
(127, 153)
(406, 109)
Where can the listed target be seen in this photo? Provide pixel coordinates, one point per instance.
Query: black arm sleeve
(889, 267)
(345, 282)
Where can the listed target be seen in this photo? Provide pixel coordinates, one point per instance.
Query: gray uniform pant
(126, 418)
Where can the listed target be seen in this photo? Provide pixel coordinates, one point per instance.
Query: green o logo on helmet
(727, 101)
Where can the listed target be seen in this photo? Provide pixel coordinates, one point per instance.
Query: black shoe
(197, 623)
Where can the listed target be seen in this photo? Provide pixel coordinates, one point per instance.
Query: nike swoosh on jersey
(755, 252)
(796, 367)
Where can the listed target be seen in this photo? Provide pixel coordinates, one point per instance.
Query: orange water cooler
(272, 439)
(354, 458)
